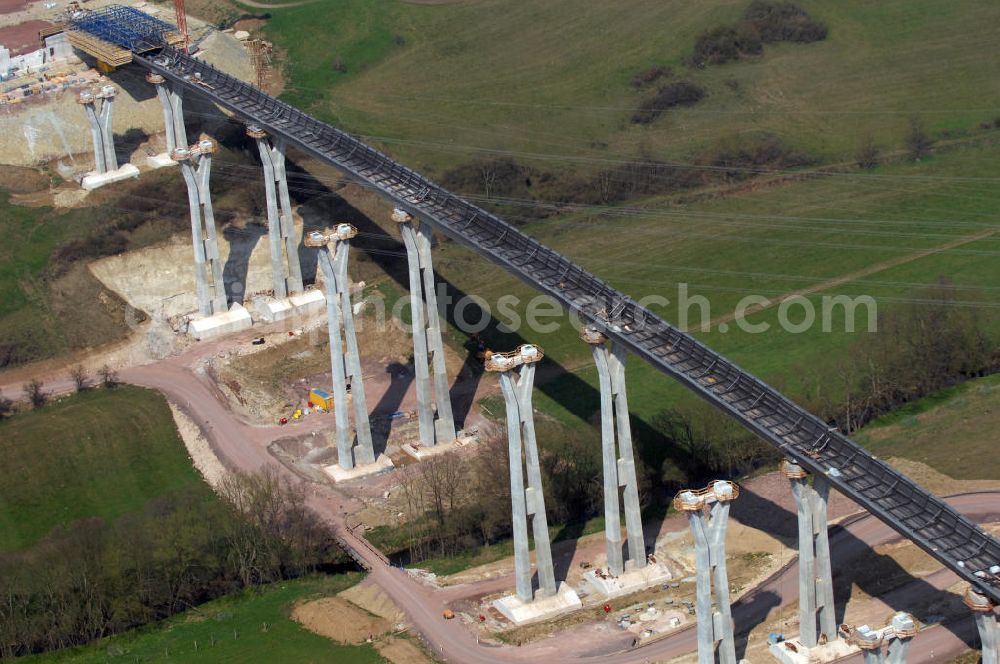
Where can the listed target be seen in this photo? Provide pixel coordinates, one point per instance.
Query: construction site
(294, 317)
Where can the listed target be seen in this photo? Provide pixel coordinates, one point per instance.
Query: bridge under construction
(807, 442)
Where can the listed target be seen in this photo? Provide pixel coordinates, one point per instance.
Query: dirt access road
(241, 446)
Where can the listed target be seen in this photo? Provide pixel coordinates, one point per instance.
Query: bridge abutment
(816, 607)
(430, 371)
(708, 515)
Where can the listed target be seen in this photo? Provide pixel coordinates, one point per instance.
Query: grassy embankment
(951, 431)
(102, 453)
(251, 627)
(107, 454)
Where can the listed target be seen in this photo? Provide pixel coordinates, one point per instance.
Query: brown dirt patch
(402, 651)
(371, 598)
(11, 6)
(22, 38)
(21, 180)
(337, 619)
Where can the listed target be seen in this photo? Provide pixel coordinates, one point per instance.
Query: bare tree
(34, 393)
(109, 377)
(918, 141)
(80, 378)
(488, 171)
(868, 154)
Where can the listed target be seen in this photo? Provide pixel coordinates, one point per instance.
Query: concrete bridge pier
(345, 360)
(286, 273)
(986, 622)
(904, 628)
(715, 628)
(619, 464)
(517, 375)
(815, 574)
(173, 114)
(106, 168)
(428, 347)
(196, 166)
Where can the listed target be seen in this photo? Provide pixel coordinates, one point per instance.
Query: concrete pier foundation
(708, 515)
(334, 247)
(986, 623)
(816, 607)
(517, 375)
(618, 460)
(196, 166)
(431, 375)
(897, 634)
(286, 273)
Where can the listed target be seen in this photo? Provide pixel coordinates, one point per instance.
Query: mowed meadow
(439, 83)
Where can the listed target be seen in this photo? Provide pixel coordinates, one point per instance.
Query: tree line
(95, 578)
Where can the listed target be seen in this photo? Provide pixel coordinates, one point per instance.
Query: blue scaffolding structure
(125, 27)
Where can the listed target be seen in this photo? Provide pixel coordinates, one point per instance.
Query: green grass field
(102, 453)
(439, 83)
(900, 225)
(951, 431)
(252, 627)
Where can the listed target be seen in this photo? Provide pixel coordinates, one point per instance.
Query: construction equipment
(182, 26)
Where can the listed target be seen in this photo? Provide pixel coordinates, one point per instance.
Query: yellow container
(321, 398)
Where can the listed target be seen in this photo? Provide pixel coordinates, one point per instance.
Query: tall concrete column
(107, 94)
(345, 359)
(816, 603)
(88, 101)
(986, 623)
(175, 94)
(528, 501)
(618, 460)
(286, 271)
(428, 346)
(715, 627)
(196, 166)
(163, 94)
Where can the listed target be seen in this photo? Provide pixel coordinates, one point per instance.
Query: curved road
(244, 447)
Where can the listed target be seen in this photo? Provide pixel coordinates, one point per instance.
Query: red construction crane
(182, 25)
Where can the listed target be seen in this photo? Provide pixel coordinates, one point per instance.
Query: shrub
(678, 93)
(490, 177)
(918, 141)
(868, 153)
(79, 377)
(651, 75)
(784, 21)
(109, 377)
(741, 156)
(34, 393)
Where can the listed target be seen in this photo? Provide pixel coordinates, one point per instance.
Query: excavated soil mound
(338, 619)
